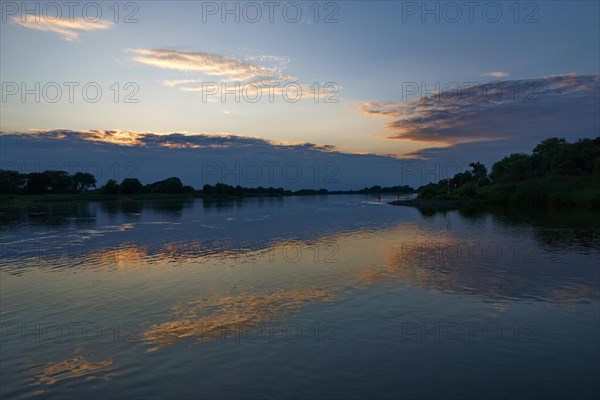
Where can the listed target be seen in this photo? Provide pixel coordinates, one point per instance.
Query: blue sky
(374, 55)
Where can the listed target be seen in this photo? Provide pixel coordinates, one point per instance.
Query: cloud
(69, 29)
(497, 74)
(177, 82)
(169, 140)
(519, 110)
(252, 77)
(229, 158)
(227, 68)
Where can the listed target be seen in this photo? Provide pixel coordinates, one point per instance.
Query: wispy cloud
(177, 82)
(256, 73)
(227, 68)
(69, 29)
(497, 74)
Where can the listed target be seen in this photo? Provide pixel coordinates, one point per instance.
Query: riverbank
(79, 197)
(576, 192)
(91, 196)
(435, 203)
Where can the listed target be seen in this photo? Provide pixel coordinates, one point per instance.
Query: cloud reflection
(205, 320)
(76, 367)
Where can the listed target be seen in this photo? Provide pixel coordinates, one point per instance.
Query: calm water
(297, 297)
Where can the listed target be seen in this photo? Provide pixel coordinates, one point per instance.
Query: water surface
(297, 297)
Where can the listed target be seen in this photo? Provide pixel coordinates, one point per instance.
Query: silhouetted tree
(515, 167)
(171, 185)
(38, 183)
(131, 186)
(12, 182)
(60, 182)
(111, 187)
(83, 181)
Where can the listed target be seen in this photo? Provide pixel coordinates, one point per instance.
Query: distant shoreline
(435, 203)
(90, 196)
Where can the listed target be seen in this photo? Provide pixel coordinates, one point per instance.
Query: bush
(429, 192)
(111, 187)
(131, 186)
(468, 190)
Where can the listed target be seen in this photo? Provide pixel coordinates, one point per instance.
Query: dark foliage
(47, 182)
(556, 173)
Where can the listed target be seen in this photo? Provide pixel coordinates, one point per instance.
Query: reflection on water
(51, 215)
(552, 228)
(76, 367)
(190, 272)
(471, 267)
(206, 319)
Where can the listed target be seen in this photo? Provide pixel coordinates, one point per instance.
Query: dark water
(297, 297)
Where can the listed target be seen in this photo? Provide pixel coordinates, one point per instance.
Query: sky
(353, 90)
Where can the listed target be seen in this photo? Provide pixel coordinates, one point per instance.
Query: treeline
(61, 182)
(228, 190)
(386, 190)
(224, 189)
(556, 173)
(131, 186)
(47, 182)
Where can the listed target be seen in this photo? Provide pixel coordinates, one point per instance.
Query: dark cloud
(169, 140)
(198, 159)
(566, 105)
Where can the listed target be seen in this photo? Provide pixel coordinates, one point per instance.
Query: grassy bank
(555, 192)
